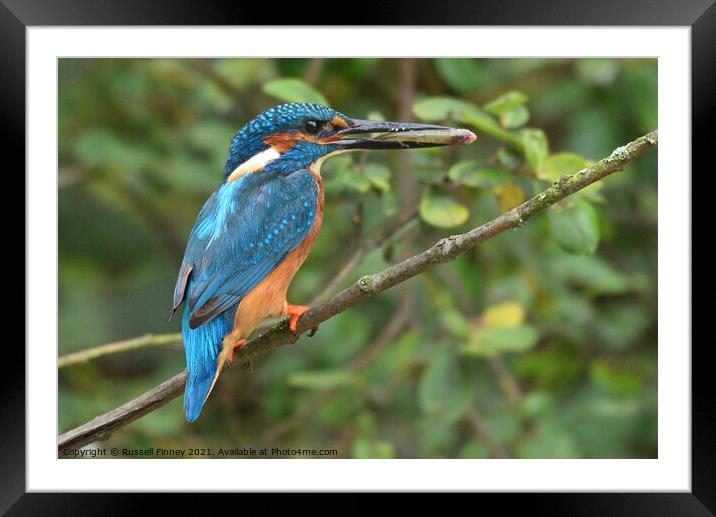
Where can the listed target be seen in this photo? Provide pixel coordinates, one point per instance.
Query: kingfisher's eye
(312, 127)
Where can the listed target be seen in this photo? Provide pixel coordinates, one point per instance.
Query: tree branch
(444, 250)
(118, 346)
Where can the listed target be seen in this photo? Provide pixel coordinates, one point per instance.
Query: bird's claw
(230, 356)
(294, 314)
(313, 331)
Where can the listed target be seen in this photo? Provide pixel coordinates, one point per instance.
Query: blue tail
(201, 348)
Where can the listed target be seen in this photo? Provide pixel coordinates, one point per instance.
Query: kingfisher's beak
(399, 135)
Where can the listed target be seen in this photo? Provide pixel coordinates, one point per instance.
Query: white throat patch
(256, 163)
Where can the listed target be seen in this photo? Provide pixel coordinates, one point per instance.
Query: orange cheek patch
(282, 142)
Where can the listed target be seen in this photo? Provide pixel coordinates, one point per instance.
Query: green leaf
(504, 425)
(436, 436)
(448, 108)
(94, 147)
(342, 408)
(508, 158)
(336, 165)
(444, 108)
(367, 448)
(243, 72)
(561, 164)
(455, 322)
(375, 115)
(493, 341)
(444, 391)
(321, 379)
(293, 90)
(355, 181)
(548, 440)
(616, 380)
(438, 208)
(474, 449)
(515, 118)
(398, 357)
(460, 74)
(506, 102)
(536, 147)
(469, 173)
(575, 227)
(485, 123)
(620, 325)
(106, 149)
(555, 367)
(378, 175)
(600, 72)
(643, 94)
(366, 423)
(462, 168)
(517, 338)
(211, 136)
(154, 425)
(509, 196)
(341, 175)
(536, 403)
(591, 273)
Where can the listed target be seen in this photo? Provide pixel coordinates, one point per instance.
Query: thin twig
(118, 346)
(507, 383)
(208, 70)
(443, 251)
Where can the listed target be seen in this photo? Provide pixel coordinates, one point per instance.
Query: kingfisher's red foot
(237, 345)
(295, 312)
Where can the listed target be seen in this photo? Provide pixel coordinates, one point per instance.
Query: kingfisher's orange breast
(268, 298)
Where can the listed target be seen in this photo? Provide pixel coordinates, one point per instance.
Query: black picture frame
(17, 15)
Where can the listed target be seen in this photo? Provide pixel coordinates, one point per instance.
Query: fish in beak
(368, 134)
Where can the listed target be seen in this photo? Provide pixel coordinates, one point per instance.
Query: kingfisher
(257, 228)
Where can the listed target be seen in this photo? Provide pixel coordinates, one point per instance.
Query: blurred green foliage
(540, 343)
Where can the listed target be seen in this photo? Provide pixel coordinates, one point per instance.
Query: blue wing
(245, 229)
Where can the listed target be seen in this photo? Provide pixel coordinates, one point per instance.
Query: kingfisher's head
(294, 136)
